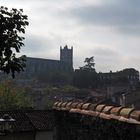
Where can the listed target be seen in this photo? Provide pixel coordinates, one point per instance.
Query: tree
(86, 76)
(69, 89)
(12, 98)
(89, 66)
(12, 24)
(54, 77)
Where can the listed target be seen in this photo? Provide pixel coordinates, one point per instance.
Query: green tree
(69, 89)
(54, 77)
(12, 26)
(86, 76)
(12, 98)
(89, 64)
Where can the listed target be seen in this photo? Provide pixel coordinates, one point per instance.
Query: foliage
(54, 77)
(89, 66)
(85, 79)
(86, 76)
(12, 98)
(50, 93)
(12, 25)
(49, 90)
(49, 105)
(69, 89)
(54, 94)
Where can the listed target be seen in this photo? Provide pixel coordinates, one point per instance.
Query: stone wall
(87, 121)
(84, 127)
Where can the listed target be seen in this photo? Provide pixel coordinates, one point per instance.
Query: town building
(128, 76)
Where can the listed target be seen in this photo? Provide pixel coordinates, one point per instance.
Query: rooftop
(31, 120)
(103, 111)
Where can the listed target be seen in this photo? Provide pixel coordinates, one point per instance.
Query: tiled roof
(124, 114)
(22, 122)
(41, 119)
(30, 120)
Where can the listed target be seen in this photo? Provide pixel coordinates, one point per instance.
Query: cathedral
(39, 65)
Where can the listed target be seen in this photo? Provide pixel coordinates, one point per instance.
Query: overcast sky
(109, 30)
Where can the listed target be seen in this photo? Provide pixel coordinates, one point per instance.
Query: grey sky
(106, 29)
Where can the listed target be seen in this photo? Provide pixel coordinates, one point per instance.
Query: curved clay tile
(55, 105)
(68, 105)
(116, 110)
(76, 108)
(92, 107)
(58, 107)
(123, 119)
(125, 112)
(100, 108)
(133, 121)
(93, 113)
(135, 115)
(88, 112)
(63, 106)
(105, 112)
(86, 106)
(107, 109)
(104, 116)
(79, 106)
(74, 105)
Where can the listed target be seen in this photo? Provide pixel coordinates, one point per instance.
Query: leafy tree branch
(12, 25)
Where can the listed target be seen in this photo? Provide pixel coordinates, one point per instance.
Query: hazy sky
(109, 30)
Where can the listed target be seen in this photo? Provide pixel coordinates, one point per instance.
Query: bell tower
(66, 55)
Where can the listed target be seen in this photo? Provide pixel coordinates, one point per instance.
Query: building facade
(65, 64)
(128, 76)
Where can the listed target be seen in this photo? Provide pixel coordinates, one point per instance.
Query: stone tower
(66, 55)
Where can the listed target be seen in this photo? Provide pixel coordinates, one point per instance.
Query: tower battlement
(66, 55)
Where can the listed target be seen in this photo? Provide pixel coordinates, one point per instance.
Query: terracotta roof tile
(41, 119)
(124, 114)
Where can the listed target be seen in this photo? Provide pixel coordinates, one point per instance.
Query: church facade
(39, 65)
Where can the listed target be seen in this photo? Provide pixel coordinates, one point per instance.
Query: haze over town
(108, 30)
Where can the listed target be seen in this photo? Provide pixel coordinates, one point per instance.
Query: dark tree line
(86, 76)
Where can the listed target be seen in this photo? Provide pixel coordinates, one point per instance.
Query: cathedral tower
(66, 55)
